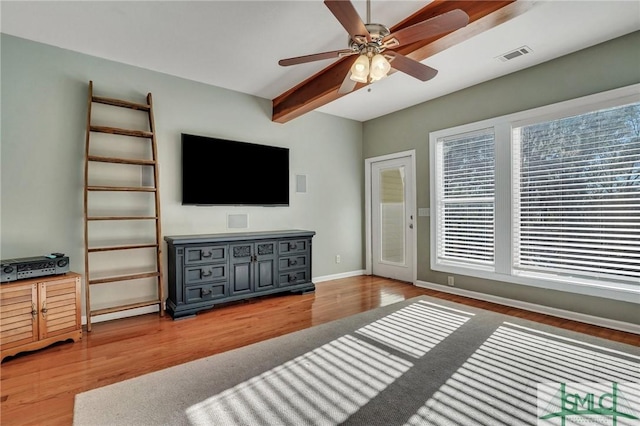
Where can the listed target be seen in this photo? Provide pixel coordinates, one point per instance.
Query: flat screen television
(220, 172)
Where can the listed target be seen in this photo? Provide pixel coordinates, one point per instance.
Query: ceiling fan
(374, 44)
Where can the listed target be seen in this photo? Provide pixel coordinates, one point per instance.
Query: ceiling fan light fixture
(370, 41)
(379, 67)
(360, 69)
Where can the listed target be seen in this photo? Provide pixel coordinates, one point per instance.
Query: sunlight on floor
(415, 329)
(388, 297)
(498, 383)
(326, 385)
(333, 381)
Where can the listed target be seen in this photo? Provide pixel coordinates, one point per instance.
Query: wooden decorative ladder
(95, 248)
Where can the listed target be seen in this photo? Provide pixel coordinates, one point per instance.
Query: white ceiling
(237, 44)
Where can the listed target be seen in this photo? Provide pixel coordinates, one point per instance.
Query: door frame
(368, 163)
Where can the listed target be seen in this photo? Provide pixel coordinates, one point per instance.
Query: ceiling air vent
(524, 50)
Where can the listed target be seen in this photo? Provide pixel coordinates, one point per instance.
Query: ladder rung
(122, 188)
(121, 103)
(121, 160)
(127, 247)
(122, 218)
(123, 132)
(124, 278)
(125, 307)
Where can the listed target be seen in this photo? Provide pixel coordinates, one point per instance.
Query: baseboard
(338, 276)
(541, 309)
(152, 309)
(561, 313)
(121, 314)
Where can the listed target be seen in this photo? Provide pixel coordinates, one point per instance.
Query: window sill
(610, 290)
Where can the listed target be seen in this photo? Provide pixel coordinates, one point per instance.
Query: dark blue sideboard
(206, 270)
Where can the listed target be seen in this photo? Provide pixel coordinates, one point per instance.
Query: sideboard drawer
(293, 246)
(292, 262)
(205, 254)
(294, 277)
(206, 292)
(205, 273)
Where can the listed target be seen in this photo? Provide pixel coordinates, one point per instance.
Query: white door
(392, 218)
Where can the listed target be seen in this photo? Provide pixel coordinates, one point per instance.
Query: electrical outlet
(450, 281)
(338, 258)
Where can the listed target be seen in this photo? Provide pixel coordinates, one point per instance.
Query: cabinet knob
(204, 273)
(293, 246)
(293, 262)
(292, 277)
(206, 253)
(34, 311)
(44, 309)
(205, 292)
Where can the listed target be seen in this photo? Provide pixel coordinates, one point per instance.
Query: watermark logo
(615, 404)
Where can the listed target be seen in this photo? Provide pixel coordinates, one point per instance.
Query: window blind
(576, 192)
(466, 197)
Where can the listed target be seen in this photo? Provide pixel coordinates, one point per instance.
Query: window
(466, 198)
(577, 195)
(548, 197)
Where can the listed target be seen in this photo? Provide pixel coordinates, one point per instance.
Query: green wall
(44, 109)
(599, 68)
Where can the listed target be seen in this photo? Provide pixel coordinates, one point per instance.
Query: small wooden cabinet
(205, 270)
(38, 312)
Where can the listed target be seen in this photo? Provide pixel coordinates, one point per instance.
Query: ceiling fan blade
(347, 15)
(440, 24)
(316, 57)
(409, 66)
(347, 85)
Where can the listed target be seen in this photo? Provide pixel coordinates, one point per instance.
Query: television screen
(232, 173)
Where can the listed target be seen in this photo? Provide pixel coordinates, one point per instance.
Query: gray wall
(44, 102)
(599, 68)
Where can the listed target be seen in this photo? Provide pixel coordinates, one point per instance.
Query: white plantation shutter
(466, 198)
(576, 192)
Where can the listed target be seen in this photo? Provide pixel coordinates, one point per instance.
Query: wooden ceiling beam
(322, 88)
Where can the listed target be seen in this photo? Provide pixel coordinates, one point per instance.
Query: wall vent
(524, 50)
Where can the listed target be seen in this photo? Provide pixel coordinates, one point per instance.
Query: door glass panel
(392, 215)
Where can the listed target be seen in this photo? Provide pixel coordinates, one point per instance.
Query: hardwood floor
(38, 388)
